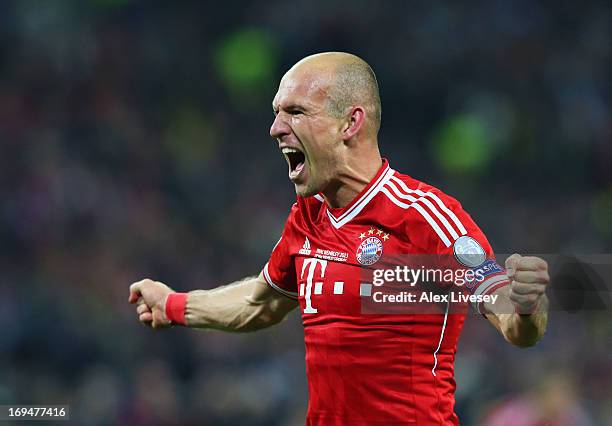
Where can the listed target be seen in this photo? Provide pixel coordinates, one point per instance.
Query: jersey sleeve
(445, 229)
(279, 271)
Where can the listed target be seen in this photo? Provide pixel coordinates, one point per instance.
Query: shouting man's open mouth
(296, 160)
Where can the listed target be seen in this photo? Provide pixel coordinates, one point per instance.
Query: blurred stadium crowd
(135, 144)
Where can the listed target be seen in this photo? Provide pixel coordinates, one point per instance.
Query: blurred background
(134, 143)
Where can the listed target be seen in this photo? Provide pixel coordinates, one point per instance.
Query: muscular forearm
(520, 330)
(234, 308)
(525, 295)
(525, 330)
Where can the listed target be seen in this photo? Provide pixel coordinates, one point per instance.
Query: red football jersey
(366, 369)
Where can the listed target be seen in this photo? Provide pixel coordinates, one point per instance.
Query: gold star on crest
(385, 237)
(362, 236)
(379, 232)
(371, 231)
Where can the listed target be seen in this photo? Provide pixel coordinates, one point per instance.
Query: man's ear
(355, 122)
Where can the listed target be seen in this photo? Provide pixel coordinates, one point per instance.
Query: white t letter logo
(312, 266)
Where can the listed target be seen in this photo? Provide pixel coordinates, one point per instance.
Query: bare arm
(247, 305)
(520, 313)
(520, 330)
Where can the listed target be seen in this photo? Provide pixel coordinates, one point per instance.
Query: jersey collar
(341, 216)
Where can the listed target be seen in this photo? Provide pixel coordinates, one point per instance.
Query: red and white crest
(369, 251)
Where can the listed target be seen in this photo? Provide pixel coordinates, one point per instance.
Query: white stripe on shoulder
(429, 204)
(434, 197)
(422, 211)
(282, 291)
(318, 197)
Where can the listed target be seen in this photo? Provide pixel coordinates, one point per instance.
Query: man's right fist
(150, 297)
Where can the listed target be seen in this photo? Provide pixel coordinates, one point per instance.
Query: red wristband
(175, 308)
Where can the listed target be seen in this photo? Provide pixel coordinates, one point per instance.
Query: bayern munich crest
(369, 251)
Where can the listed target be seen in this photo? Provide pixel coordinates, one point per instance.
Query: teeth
(288, 150)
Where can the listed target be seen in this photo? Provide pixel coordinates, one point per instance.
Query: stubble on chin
(305, 191)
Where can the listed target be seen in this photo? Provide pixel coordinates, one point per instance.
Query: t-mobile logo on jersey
(313, 288)
(311, 265)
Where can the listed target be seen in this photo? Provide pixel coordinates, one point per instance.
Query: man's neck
(352, 180)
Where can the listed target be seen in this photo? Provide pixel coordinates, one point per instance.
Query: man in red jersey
(351, 208)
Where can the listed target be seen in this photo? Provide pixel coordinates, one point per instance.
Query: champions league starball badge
(369, 251)
(468, 252)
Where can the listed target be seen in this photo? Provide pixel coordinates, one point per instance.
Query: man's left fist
(528, 280)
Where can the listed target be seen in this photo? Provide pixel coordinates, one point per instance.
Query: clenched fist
(150, 297)
(529, 277)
